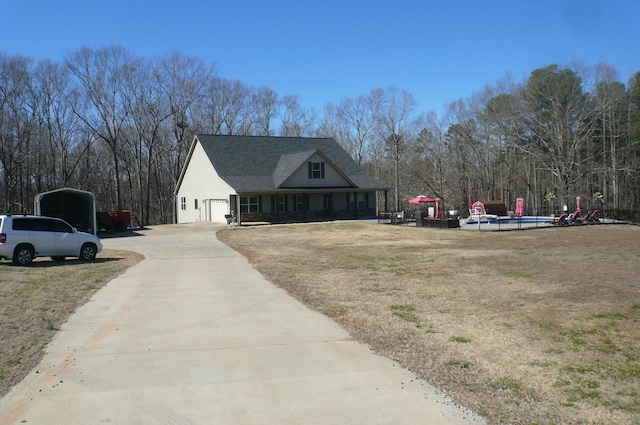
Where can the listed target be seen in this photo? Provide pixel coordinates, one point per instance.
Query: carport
(75, 206)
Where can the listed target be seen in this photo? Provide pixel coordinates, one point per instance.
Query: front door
(328, 205)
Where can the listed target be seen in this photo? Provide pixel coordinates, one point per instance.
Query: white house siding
(332, 178)
(202, 182)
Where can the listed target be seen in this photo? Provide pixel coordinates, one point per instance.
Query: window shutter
(274, 203)
(322, 170)
(286, 202)
(310, 170)
(259, 203)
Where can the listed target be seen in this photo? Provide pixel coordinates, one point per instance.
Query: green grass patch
(576, 335)
(460, 339)
(579, 389)
(609, 315)
(405, 312)
(458, 363)
(629, 372)
(547, 326)
(509, 384)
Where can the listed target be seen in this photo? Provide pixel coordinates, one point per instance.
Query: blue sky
(326, 50)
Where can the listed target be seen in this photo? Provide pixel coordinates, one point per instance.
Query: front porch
(303, 207)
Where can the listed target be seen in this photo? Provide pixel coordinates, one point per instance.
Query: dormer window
(316, 170)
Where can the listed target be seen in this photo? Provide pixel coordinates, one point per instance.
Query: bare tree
(357, 114)
(228, 107)
(235, 103)
(296, 120)
(149, 110)
(103, 76)
(57, 98)
(17, 121)
(610, 109)
(395, 123)
(499, 119)
(428, 162)
(183, 80)
(265, 106)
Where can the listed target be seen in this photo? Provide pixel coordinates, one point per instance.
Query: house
(273, 179)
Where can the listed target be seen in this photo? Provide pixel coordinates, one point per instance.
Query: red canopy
(420, 199)
(423, 198)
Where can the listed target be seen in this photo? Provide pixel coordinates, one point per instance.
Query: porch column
(355, 205)
(238, 214)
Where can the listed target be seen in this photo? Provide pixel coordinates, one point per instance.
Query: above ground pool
(512, 220)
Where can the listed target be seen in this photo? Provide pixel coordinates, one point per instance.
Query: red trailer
(114, 221)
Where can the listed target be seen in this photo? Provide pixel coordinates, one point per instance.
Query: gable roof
(288, 164)
(263, 163)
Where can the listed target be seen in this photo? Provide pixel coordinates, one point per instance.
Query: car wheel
(88, 252)
(58, 258)
(23, 255)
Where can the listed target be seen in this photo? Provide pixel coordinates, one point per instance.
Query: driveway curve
(194, 335)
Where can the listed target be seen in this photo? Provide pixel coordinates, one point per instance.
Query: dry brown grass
(36, 300)
(524, 327)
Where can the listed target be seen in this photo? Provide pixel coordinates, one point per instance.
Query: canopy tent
(420, 199)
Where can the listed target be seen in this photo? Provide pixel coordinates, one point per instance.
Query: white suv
(25, 237)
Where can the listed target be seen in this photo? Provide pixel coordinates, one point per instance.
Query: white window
(183, 203)
(298, 202)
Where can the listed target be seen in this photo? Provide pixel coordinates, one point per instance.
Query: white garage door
(216, 210)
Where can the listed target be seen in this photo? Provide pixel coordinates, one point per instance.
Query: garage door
(216, 210)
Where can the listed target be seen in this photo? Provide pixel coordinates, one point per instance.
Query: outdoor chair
(583, 218)
(573, 217)
(562, 220)
(593, 217)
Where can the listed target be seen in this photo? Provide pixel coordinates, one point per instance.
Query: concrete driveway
(194, 335)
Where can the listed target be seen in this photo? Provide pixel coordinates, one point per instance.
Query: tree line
(120, 126)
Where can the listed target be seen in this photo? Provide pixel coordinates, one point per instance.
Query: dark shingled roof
(262, 163)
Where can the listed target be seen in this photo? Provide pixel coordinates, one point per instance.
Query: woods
(120, 125)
